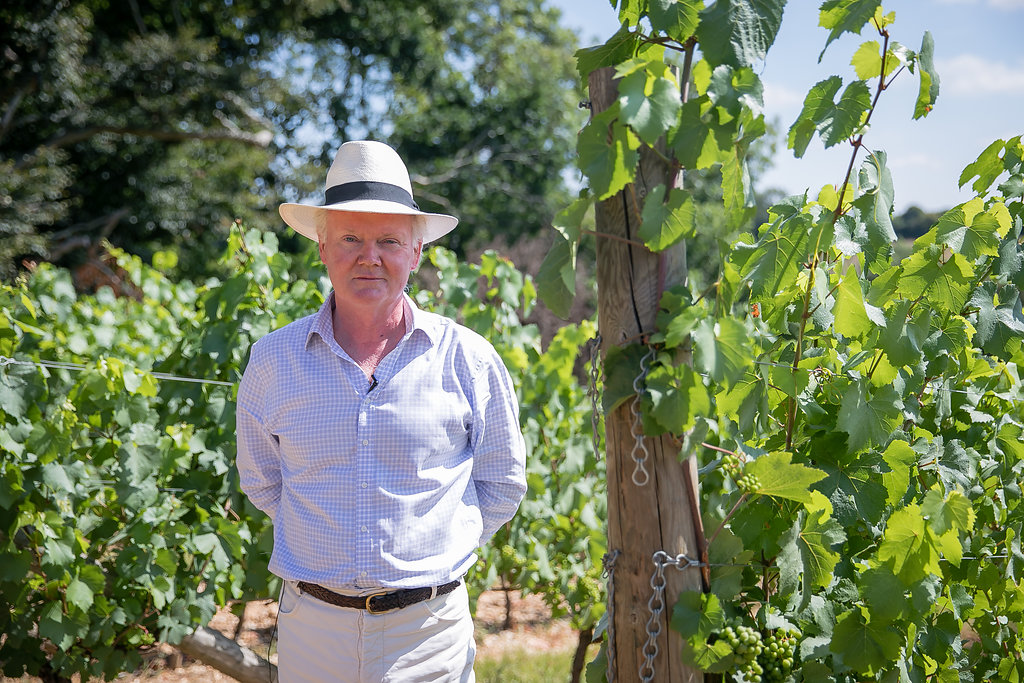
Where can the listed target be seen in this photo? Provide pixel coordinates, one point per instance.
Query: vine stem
(716, 448)
(626, 240)
(857, 143)
(742, 499)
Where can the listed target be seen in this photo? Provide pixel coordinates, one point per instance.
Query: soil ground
(533, 631)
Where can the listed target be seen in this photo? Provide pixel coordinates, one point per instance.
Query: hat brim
(302, 218)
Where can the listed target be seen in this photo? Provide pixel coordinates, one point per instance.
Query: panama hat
(367, 177)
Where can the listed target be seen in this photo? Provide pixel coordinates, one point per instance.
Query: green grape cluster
(761, 658)
(746, 644)
(778, 657)
(748, 483)
(589, 588)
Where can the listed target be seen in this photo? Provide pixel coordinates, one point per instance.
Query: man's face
(369, 256)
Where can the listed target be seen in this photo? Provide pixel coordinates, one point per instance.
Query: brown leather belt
(378, 603)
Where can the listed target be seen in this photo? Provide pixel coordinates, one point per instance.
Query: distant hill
(914, 222)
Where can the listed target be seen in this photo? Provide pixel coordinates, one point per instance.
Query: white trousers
(429, 642)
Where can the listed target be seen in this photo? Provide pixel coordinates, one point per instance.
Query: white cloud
(974, 75)
(918, 160)
(782, 100)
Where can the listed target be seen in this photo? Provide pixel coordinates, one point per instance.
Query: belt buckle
(377, 595)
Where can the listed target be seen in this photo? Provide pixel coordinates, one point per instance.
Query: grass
(520, 666)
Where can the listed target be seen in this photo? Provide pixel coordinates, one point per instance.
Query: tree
(156, 124)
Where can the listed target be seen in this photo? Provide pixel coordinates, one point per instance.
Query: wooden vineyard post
(663, 513)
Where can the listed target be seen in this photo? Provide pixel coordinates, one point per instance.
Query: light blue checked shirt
(393, 487)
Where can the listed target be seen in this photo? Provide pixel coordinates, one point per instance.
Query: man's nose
(369, 252)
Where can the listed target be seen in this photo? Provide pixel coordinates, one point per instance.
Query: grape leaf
(869, 420)
(779, 477)
(619, 48)
(664, 223)
(818, 102)
(884, 594)
(845, 16)
(676, 18)
(773, 263)
(556, 278)
(987, 167)
(903, 340)
(739, 32)
(649, 99)
(677, 396)
(79, 594)
(699, 141)
(875, 205)
(806, 549)
(854, 493)
(928, 92)
(853, 317)
(907, 548)
(967, 229)
(609, 166)
(722, 350)
(866, 647)
(944, 279)
(867, 60)
(999, 329)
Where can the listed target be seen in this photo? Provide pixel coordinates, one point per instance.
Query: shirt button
(362, 573)
(366, 442)
(362, 528)
(363, 485)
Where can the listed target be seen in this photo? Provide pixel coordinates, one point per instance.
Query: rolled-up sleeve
(499, 452)
(259, 452)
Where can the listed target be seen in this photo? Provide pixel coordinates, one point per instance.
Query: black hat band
(369, 190)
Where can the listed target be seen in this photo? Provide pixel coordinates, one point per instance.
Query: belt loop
(433, 592)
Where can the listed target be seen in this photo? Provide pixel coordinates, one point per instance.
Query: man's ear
(419, 255)
(320, 249)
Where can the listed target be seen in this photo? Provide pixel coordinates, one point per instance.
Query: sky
(978, 57)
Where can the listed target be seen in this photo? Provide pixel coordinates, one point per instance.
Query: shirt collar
(415, 319)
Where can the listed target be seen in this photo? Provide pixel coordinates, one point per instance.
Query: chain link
(640, 453)
(608, 562)
(656, 605)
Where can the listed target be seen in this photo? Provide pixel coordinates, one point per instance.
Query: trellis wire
(78, 367)
(608, 561)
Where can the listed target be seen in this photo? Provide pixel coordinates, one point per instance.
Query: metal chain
(640, 452)
(594, 378)
(608, 562)
(656, 605)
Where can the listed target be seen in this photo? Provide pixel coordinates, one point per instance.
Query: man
(382, 440)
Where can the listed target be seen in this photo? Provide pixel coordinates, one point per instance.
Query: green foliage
(857, 416)
(156, 126)
(121, 522)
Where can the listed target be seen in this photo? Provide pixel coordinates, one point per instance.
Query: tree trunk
(579, 659)
(659, 515)
(217, 650)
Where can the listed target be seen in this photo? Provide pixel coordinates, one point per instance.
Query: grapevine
(747, 483)
(863, 405)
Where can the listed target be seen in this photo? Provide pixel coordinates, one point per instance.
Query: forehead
(348, 222)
